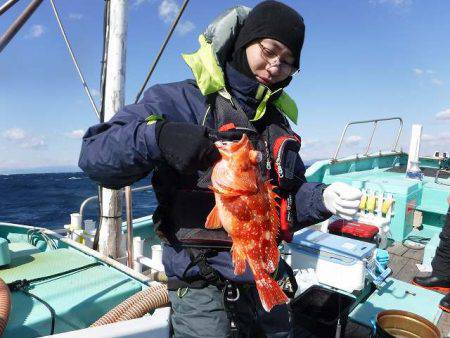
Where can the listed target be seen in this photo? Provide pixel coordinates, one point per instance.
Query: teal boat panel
(20, 249)
(78, 298)
(44, 264)
(430, 249)
(398, 295)
(384, 173)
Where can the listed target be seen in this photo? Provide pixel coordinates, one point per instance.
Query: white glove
(342, 199)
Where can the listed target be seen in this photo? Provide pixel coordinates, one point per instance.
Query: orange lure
(246, 208)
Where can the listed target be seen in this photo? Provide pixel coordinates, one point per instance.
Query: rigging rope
(7, 5)
(161, 50)
(86, 88)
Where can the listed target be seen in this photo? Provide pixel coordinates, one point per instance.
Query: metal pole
(161, 50)
(7, 5)
(110, 228)
(371, 137)
(18, 23)
(129, 210)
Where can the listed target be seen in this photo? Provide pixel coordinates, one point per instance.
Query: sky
(362, 59)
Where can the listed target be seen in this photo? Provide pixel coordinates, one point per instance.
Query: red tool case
(354, 229)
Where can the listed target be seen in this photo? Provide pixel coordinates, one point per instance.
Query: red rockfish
(246, 208)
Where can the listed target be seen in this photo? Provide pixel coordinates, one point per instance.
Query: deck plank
(408, 272)
(444, 324)
(397, 248)
(396, 263)
(414, 254)
(403, 264)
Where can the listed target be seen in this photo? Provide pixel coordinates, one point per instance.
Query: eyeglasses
(274, 59)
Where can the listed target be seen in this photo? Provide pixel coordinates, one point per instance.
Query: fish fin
(213, 220)
(273, 256)
(273, 196)
(269, 291)
(238, 260)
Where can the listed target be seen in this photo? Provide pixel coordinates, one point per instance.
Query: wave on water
(47, 200)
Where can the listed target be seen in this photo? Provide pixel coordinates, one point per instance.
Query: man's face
(270, 61)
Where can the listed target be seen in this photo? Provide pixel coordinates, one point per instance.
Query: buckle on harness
(231, 292)
(206, 271)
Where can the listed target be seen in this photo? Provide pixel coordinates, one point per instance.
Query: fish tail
(269, 291)
(238, 260)
(273, 257)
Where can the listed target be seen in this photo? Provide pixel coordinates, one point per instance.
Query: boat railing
(94, 198)
(375, 123)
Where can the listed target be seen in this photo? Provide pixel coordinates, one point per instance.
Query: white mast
(111, 220)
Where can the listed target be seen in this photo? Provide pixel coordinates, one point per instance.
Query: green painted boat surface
(85, 287)
(82, 291)
(385, 173)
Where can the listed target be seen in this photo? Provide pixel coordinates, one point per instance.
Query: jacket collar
(210, 78)
(248, 92)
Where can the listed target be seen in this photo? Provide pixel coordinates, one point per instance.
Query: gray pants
(201, 313)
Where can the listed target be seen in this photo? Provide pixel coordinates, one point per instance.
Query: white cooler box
(339, 262)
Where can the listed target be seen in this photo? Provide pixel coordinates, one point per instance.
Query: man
(440, 278)
(245, 60)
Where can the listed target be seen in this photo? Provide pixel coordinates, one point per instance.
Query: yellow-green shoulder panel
(204, 66)
(287, 106)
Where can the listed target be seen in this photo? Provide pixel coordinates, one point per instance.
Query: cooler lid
(330, 243)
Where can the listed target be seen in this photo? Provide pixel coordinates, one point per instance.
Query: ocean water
(47, 200)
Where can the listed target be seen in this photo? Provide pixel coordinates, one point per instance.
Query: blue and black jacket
(124, 149)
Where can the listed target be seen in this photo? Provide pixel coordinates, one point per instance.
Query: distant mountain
(40, 170)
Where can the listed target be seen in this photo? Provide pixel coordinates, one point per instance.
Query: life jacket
(182, 213)
(185, 200)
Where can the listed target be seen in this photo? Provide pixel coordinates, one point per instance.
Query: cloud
(75, 16)
(353, 140)
(395, 3)
(185, 27)
(443, 115)
(34, 142)
(430, 75)
(438, 140)
(14, 134)
(137, 3)
(36, 31)
(437, 82)
(168, 10)
(94, 92)
(75, 134)
(24, 139)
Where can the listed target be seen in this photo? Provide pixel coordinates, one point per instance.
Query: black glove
(232, 134)
(185, 146)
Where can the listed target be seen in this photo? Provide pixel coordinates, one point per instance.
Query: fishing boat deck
(403, 262)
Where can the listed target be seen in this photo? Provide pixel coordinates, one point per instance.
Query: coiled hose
(137, 305)
(5, 305)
